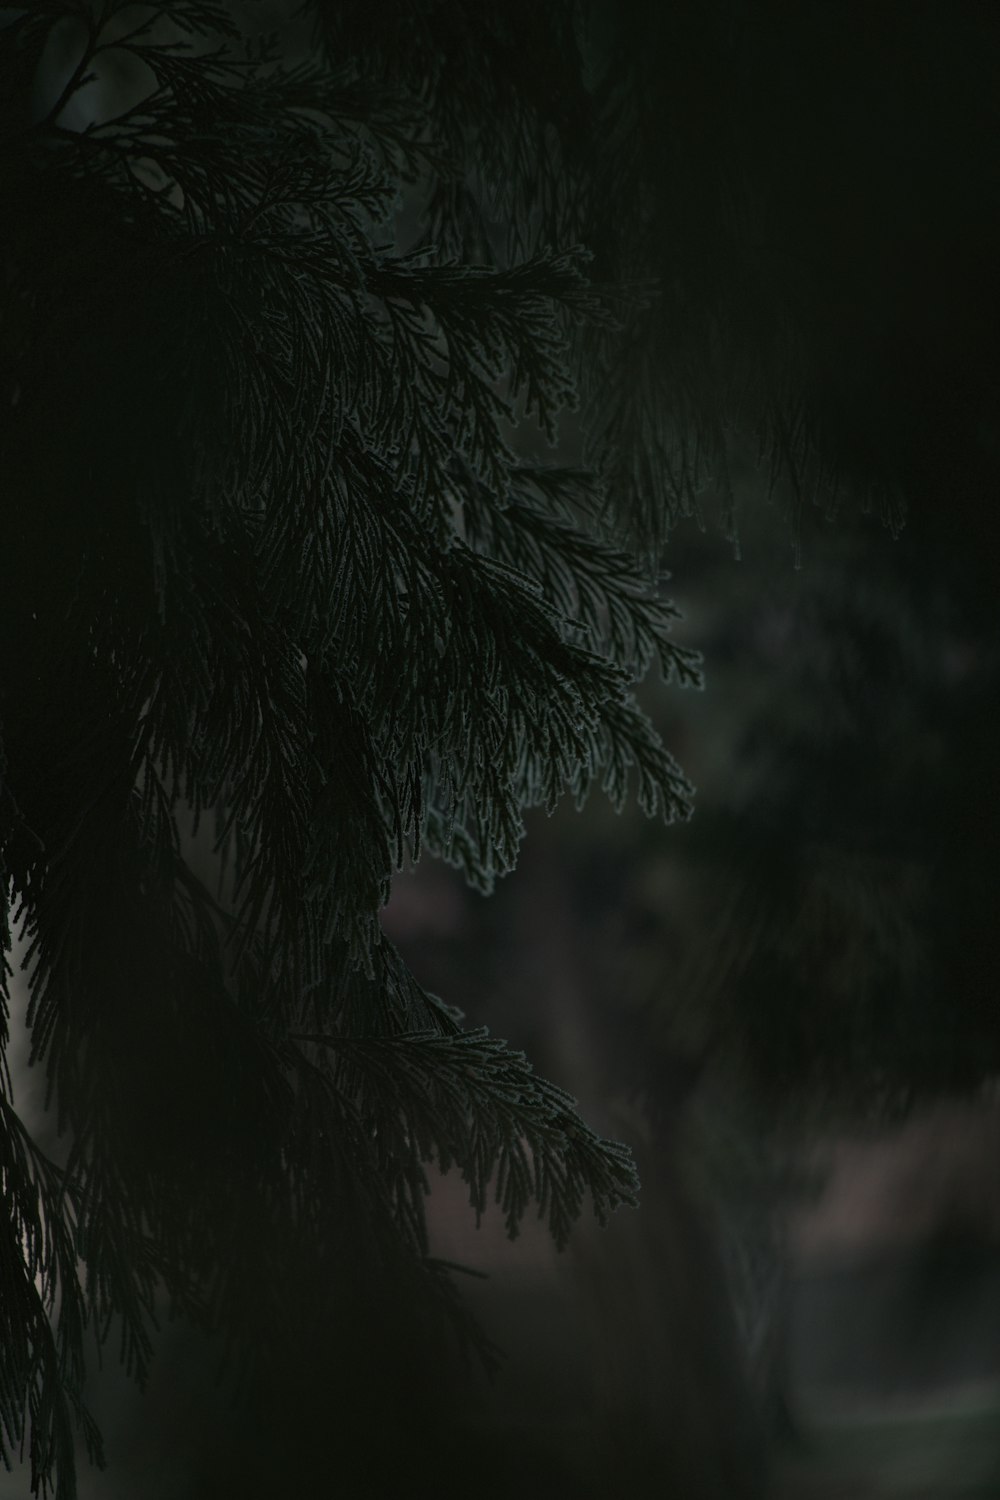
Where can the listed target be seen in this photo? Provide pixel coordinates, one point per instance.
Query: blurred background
(787, 1008)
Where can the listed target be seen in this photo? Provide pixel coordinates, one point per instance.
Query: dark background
(787, 1007)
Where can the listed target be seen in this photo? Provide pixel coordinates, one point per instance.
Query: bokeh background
(787, 1008)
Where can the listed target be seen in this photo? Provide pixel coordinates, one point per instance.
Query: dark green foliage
(337, 368)
(274, 558)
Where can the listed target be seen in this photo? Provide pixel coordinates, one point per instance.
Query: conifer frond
(283, 575)
(466, 1100)
(44, 1313)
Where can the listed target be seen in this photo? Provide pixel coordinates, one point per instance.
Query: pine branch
(467, 1100)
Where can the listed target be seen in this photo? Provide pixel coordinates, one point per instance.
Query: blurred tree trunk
(675, 1408)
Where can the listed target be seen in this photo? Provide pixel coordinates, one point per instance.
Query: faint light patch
(898, 1188)
(428, 904)
(28, 1087)
(27, 1082)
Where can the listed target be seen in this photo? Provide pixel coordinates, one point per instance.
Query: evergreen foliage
(339, 371)
(274, 561)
